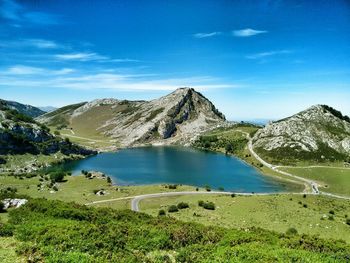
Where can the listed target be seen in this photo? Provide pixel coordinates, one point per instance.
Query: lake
(177, 165)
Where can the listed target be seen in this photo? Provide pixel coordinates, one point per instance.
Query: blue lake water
(177, 165)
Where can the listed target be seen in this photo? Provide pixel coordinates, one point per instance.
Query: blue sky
(253, 59)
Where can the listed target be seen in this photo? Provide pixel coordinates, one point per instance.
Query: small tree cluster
(206, 205)
(182, 205)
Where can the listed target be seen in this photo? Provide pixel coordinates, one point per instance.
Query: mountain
(174, 118)
(47, 108)
(319, 134)
(20, 134)
(28, 110)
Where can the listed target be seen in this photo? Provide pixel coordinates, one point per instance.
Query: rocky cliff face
(319, 133)
(174, 118)
(20, 134)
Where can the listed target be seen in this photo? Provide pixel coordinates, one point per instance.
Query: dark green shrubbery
(291, 231)
(57, 176)
(54, 231)
(172, 209)
(206, 205)
(182, 205)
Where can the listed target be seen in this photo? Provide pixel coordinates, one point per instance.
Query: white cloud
(247, 32)
(41, 43)
(27, 70)
(22, 76)
(81, 56)
(206, 35)
(268, 54)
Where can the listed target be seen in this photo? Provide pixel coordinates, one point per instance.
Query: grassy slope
(79, 189)
(277, 213)
(70, 233)
(334, 180)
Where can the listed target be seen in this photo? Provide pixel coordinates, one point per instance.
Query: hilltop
(174, 118)
(27, 110)
(317, 134)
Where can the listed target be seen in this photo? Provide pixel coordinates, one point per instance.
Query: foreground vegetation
(54, 231)
(313, 214)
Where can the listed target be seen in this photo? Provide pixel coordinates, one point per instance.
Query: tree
(109, 180)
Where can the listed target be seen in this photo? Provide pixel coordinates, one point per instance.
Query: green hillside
(54, 231)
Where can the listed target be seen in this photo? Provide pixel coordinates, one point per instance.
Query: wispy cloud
(36, 43)
(247, 32)
(27, 70)
(206, 35)
(18, 15)
(88, 56)
(25, 76)
(262, 55)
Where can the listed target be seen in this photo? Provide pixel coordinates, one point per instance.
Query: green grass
(333, 180)
(67, 232)
(275, 212)
(81, 190)
(8, 250)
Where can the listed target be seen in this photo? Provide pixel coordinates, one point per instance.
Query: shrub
(57, 176)
(182, 205)
(197, 189)
(332, 212)
(233, 195)
(2, 206)
(172, 186)
(172, 209)
(161, 212)
(208, 188)
(109, 180)
(331, 218)
(209, 206)
(291, 231)
(347, 221)
(200, 203)
(55, 188)
(305, 205)
(304, 195)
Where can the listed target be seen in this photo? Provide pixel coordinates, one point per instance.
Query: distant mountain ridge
(319, 133)
(28, 110)
(174, 118)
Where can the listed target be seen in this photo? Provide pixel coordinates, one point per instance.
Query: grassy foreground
(55, 231)
(316, 215)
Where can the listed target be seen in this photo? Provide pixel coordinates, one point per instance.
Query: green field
(8, 246)
(81, 190)
(273, 212)
(331, 179)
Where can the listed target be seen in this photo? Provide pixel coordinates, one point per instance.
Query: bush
(209, 205)
(172, 209)
(109, 180)
(55, 188)
(2, 206)
(233, 195)
(304, 195)
(331, 218)
(207, 188)
(172, 186)
(305, 205)
(57, 176)
(200, 203)
(332, 212)
(347, 221)
(182, 205)
(291, 231)
(161, 212)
